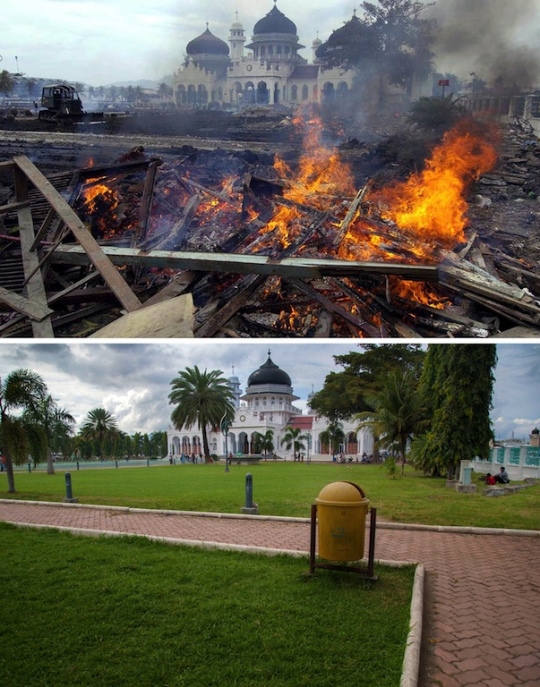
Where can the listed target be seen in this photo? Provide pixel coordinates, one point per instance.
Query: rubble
(81, 249)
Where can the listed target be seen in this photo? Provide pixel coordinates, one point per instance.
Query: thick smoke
(495, 39)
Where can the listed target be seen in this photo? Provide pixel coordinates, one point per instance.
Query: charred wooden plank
(248, 286)
(301, 268)
(4, 209)
(111, 275)
(337, 309)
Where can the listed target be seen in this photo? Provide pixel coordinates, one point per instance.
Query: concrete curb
(410, 671)
(282, 518)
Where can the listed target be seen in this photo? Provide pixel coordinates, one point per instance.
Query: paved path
(482, 625)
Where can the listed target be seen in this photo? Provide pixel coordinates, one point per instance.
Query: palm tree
(202, 398)
(99, 425)
(21, 389)
(7, 82)
(293, 439)
(264, 442)
(333, 436)
(398, 413)
(55, 422)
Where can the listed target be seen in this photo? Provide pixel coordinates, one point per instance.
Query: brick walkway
(482, 619)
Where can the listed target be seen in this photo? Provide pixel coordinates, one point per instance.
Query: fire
(431, 204)
(99, 192)
(419, 292)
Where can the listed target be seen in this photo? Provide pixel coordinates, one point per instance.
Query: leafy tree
(55, 422)
(293, 438)
(98, 426)
(398, 413)
(201, 398)
(345, 393)
(457, 387)
(147, 447)
(405, 38)
(333, 436)
(20, 390)
(391, 41)
(264, 442)
(136, 442)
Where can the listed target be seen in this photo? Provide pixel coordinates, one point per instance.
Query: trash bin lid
(342, 494)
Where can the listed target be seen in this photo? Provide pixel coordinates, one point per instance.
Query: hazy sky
(133, 380)
(103, 41)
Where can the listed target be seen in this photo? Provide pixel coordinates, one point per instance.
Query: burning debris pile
(263, 245)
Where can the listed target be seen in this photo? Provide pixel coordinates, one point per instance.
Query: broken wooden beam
(36, 311)
(91, 247)
(301, 268)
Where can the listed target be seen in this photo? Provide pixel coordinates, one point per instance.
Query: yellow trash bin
(341, 512)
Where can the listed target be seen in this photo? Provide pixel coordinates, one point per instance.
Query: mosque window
(294, 92)
(270, 49)
(305, 93)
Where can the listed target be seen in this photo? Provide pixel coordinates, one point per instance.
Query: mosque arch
(294, 92)
(191, 95)
(305, 92)
(262, 92)
(329, 93)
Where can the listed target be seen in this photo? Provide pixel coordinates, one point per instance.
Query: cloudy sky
(133, 380)
(102, 41)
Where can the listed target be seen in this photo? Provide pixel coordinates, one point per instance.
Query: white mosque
(268, 70)
(268, 404)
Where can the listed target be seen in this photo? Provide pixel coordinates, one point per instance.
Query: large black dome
(274, 22)
(207, 44)
(269, 373)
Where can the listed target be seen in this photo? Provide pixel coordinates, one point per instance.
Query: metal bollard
(250, 507)
(29, 466)
(249, 490)
(115, 463)
(148, 462)
(78, 468)
(69, 491)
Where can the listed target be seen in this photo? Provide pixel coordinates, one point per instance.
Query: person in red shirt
(490, 479)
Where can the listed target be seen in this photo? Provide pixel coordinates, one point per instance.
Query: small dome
(535, 431)
(269, 373)
(207, 44)
(274, 22)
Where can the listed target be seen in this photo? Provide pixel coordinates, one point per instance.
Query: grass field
(284, 489)
(123, 612)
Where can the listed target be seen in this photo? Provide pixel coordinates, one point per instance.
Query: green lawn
(284, 489)
(101, 612)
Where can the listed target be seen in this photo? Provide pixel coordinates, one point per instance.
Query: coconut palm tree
(99, 425)
(55, 422)
(20, 390)
(398, 413)
(7, 82)
(333, 436)
(201, 398)
(265, 442)
(293, 438)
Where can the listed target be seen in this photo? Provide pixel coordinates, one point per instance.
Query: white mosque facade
(268, 404)
(268, 70)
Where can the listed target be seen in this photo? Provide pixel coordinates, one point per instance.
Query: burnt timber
(490, 289)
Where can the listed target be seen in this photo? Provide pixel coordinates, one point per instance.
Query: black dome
(269, 373)
(274, 22)
(207, 44)
(535, 431)
(352, 33)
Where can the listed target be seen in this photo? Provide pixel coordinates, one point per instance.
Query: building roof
(305, 71)
(274, 22)
(207, 44)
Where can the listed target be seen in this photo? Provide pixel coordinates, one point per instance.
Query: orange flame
(432, 204)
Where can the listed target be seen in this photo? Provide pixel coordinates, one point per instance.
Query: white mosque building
(268, 404)
(267, 70)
